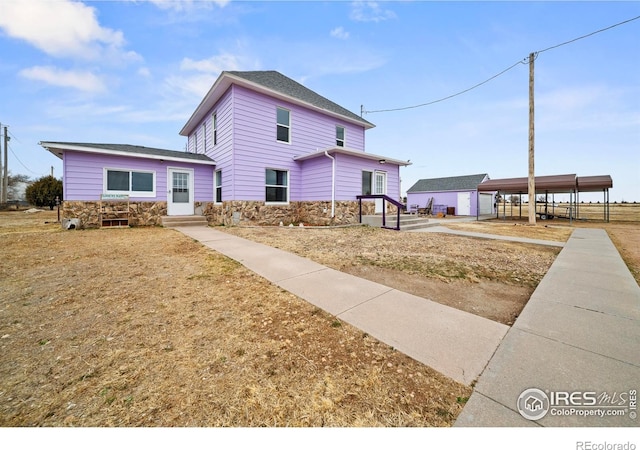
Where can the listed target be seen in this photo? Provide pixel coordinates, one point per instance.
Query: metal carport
(552, 184)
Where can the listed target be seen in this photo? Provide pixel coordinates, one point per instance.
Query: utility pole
(5, 175)
(1, 169)
(532, 179)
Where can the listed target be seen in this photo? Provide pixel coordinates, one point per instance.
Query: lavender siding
(349, 176)
(84, 174)
(448, 198)
(247, 145)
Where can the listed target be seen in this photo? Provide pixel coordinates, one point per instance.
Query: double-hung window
(214, 131)
(277, 186)
(218, 186)
(204, 136)
(130, 182)
(283, 128)
(339, 136)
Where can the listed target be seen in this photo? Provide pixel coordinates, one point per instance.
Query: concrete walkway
(453, 342)
(444, 229)
(579, 332)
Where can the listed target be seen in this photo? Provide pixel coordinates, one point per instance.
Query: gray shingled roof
(136, 149)
(275, 81)
(462, 183)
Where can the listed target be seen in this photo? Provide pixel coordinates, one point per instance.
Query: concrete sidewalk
(579, 332)
(453, 342)
(444, 229)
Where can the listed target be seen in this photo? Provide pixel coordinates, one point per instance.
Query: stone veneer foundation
(318, 213)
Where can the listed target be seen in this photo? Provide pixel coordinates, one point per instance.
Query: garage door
(486, 204)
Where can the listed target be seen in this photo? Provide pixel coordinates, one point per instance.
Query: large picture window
(277, 186)
(130, 182)
(283, 132)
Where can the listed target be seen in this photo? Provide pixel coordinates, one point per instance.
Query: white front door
(180, 192)
(379, 187)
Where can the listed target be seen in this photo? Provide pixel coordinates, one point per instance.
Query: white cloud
(362, 11)
(181, 5)
(62, 28)
(339, 33)
(144, 72)
(197, 76)
(81, 80)
(214, 64)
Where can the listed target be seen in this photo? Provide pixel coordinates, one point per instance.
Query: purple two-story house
(262, 149)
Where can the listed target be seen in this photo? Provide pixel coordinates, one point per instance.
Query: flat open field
(618, 212)
(145, 327)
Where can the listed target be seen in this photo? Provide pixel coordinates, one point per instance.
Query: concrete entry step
(407, 221)
(184, 221)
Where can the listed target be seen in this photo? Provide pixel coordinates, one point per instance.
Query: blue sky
(133, 71)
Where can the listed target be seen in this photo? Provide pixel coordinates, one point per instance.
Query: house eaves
(272, 84)
(131, 151)
(357, 153)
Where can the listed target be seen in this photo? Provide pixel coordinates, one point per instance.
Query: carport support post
(532, 180)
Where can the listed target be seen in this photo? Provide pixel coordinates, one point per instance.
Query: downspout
(333, 183)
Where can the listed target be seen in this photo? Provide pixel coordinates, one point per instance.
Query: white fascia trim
(78, 148)
(356, 153)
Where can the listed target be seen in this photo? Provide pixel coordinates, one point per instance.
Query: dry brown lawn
(145, 327)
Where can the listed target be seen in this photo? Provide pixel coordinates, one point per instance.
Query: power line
(21, 163)
(449, 96)
(523, 61)
(588, 35)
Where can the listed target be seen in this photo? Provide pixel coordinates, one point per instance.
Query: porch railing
(385, 198)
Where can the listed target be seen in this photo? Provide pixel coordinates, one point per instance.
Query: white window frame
(374, 188)
(204, 135)
(288, 186)
(288, 126)
(217, 186)
(130, 192)
(344, 136)
(195, 141)
(371, 181)
(214, 127)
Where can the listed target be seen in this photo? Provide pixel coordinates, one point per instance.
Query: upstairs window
(283, 132)
(339, 136)
(277, 186)
(214, 121)
(204, 134)
(133, 183)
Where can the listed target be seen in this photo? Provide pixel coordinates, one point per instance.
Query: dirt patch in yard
(490, 278)
(489, 299)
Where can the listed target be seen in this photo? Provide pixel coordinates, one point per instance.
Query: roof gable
(461, 183)
(273, 84)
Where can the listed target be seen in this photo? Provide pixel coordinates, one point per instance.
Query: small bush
(43, 191)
